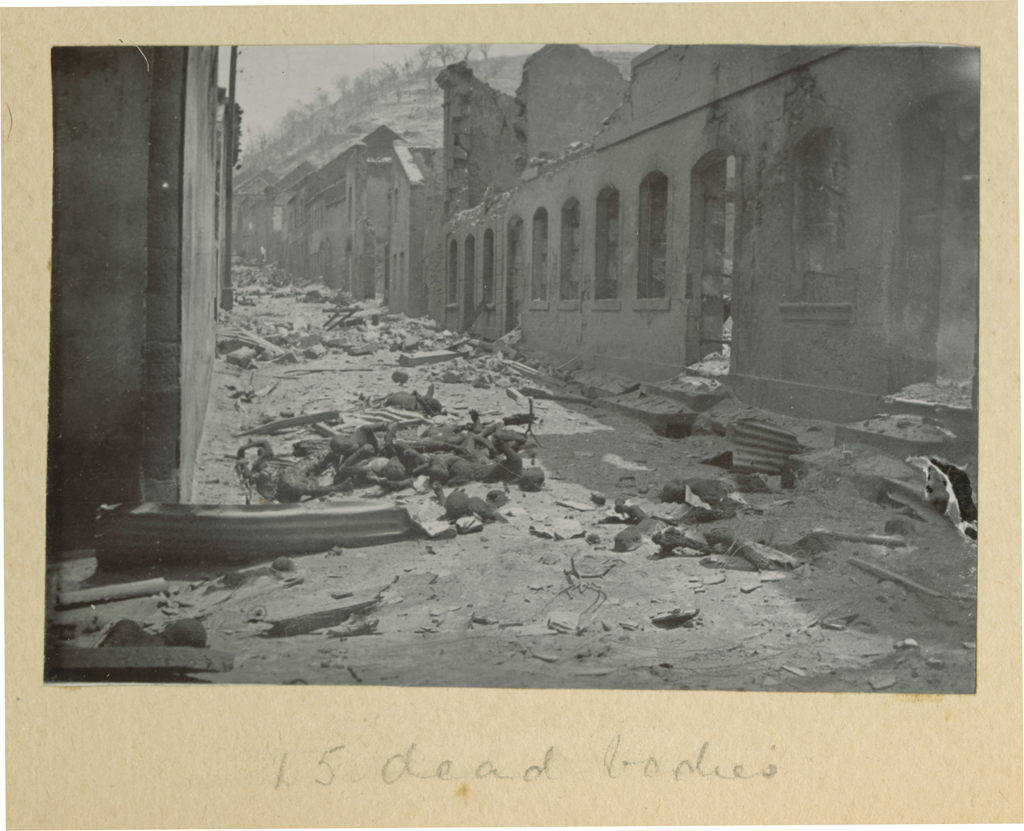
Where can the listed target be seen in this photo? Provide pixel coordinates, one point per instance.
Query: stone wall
(565, 95)
(483, 149)
(134, 277)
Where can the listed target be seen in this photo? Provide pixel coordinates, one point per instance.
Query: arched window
(469, 275)
(539, 283)
(571, 266)
(817, 208)
(452, 290)
(513, 271)
(488, 271)
(713, 195)
(606, 246)
(653, 233)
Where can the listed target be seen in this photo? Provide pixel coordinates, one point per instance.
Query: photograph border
(280, 756)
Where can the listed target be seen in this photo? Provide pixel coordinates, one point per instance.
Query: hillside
(407, 100)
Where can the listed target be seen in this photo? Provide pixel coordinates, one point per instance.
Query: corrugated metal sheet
(151, 532)
(761, 448)
(758, 461)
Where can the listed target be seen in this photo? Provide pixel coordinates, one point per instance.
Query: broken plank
(884, 573)
(578, 506)
(754, 552)
(322, 619)
(120, 658)
(295, 373)
(285, 423)
(421, 358)
(116, 591)
(870, 539)
(248, 338)
(339, 317)
(536, 392)
(529, 371)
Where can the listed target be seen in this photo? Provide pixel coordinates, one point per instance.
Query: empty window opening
(606, 246)
(488, 269)
(452, 291)
(817, 214)
(469, 273)
(653, 233)
(713, 192)
(513, 272)
(539, 283)
(571, 267)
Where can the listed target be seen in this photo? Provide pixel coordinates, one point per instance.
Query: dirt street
(518, 605)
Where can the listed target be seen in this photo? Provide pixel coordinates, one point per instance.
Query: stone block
(241, 357)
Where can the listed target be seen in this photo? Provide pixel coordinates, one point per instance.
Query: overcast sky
(271, 78)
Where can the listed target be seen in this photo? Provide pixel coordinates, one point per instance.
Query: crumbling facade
(134, 277)
(484, 151)
(823, 200)
(565, 96)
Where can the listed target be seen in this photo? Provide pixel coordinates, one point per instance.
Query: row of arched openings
(652, 234)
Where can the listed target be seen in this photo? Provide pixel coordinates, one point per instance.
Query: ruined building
(258, 208)
(134, 277)
(822, 199)
(490, 139)
(357, 222)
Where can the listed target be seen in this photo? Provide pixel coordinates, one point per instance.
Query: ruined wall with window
(819, 203)
(863, 214)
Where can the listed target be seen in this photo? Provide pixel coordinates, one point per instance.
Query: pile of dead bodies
(440, 455)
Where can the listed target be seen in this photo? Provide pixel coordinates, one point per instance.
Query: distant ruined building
(357, 222)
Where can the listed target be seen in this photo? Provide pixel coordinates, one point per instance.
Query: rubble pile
(393, 430)
(251, 276)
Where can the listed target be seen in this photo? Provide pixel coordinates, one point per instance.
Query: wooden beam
(285, 423)
(885, 574)
(116, 591)
(322, 619)
(421, 358)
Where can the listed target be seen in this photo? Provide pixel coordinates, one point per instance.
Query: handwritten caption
(340, 764)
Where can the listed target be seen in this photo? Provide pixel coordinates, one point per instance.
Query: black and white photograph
(520, 366)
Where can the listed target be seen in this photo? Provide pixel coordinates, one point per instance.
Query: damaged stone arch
(607, 244)
(652, 233)
(571, 266)
(514, 279)
(468, 279)
(452, 289)
(539, 259)
(819, 190)
(487, 276)
(715, 198)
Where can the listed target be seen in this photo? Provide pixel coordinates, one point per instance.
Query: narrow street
(543, 598)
